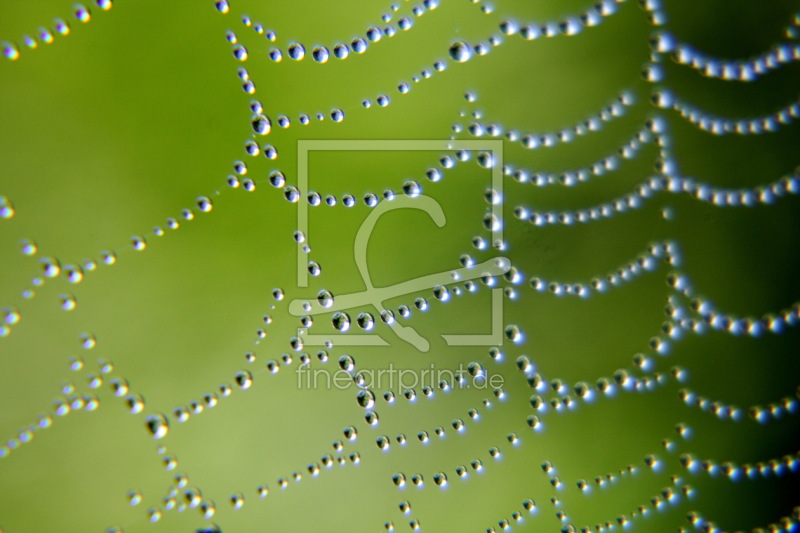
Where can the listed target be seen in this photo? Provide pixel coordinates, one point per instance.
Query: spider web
(155, 379)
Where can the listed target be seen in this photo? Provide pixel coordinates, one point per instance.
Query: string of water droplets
(61, 28)
(745, 70)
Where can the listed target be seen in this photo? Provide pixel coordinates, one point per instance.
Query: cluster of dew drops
(47, 35)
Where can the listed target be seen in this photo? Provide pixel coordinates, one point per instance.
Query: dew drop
(325, 298)
(485, 160)
(359, 45)
(291, 194)
(208, 509)
(366, 321)
(341, 321)
(68, 302)
(296, 51)
(204, 204)
(366, 398)
(461, 51)
(412, 189)
(320, 54)
(134, 403)
(11, 52)
(157, 426)
(244, 379)
(237, 501)
(138, 243)
(514, 334)
(240, 52)
(51, 267)
(441, 293)
(261, 124)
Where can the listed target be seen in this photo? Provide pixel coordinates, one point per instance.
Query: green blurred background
(112, 129)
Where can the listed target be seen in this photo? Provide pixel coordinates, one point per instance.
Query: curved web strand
(652, 462)
(517, 516)
(666, 99)
(787, 523)
(532, 141)
(673, 496)
(629, 150)
(341, 50)
(648, 261)
(771, 412)
(568, 26)
(745, 70)
(60, 28)
(635, 199)
(776, 467)
(775, 322)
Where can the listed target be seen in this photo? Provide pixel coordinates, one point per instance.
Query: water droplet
(134, 403)
(341, 51)
(261, 124)
(240, 52)
(11, 52)
(208, 509)
(485, 159)
(270, 152)
(514, 334)
(153, 515)
(461, 51)
(157, 426)
(366, 398)
(341, 321)
(347, 363)
(204, 204)
(50, 266)
(181, 414)
(291, 194)
(372, 419)
(325, 298)
(350, 433)
(244, 379)
(237, 501)
(278, 294)
(366, 321)
(441, 293)
(359, 45)
(296, 51)
(374, 34)
(412, 189)
(320, 54)
(134, 497)
(138, 243)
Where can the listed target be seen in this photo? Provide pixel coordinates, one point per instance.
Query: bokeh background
(110, 130)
